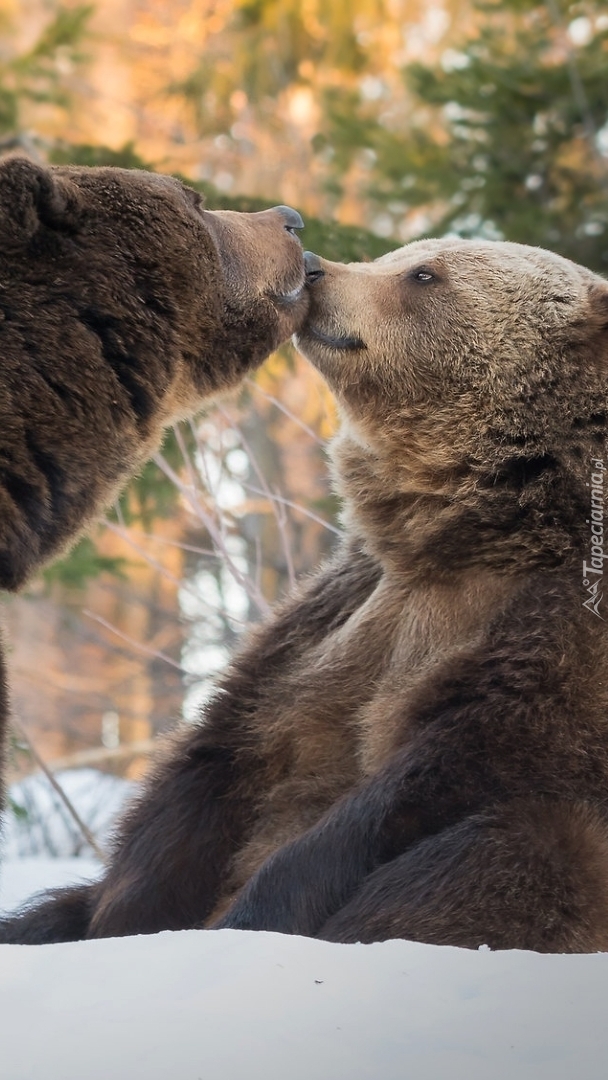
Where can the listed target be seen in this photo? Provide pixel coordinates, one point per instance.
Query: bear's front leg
(171, 853)
(173, 850)
(309, 879)
(176, 841)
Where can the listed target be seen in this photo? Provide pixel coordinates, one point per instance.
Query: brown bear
(124, 304)
(416, 743)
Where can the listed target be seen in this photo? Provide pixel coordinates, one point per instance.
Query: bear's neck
(427, 525)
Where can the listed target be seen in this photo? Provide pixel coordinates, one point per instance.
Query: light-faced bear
(416, 743)
(124, 305)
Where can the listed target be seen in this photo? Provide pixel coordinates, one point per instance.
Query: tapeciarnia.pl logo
(593, 571)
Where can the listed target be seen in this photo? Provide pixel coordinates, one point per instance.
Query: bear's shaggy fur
(416, 744)
(123, 306)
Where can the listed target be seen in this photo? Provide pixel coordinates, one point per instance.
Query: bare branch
(301, 509)
(286, 412)
(274, 501)
(40, 762)
(136, 644)
(215, 532)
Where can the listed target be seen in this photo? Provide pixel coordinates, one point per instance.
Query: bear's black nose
(292, 219)
(312, 267)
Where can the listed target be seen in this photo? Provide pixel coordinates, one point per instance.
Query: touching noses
(312, 267)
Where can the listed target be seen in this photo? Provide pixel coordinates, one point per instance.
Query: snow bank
(225, 1005)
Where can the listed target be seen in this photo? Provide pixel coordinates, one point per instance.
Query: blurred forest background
(381, 121)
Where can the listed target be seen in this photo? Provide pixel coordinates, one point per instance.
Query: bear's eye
(423, 275)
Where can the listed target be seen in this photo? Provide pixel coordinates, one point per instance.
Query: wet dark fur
(123, 306)
(416, 744)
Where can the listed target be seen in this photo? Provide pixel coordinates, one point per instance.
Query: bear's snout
(292, 219)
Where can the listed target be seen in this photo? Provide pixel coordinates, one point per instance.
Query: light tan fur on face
(505, 347)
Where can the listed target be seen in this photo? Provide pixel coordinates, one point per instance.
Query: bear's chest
(435, 625)
(342, 709)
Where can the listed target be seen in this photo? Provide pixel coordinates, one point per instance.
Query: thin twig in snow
(57, 788)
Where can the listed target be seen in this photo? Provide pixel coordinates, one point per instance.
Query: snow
(227, 1005)
(21, 878)
(45, 825)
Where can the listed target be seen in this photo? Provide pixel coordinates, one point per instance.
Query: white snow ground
(225, 1005)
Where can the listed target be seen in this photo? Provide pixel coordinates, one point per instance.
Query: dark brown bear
(416, 744)
(123, 306)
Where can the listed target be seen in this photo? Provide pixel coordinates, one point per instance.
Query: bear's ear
(31, 196)
(598, 305)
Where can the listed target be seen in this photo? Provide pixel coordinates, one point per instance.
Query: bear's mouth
(339, 342)
(291, 289)
(291, 296)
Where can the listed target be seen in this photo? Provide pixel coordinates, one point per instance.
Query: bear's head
(472, 376)
(217, 290)
(124, 304)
